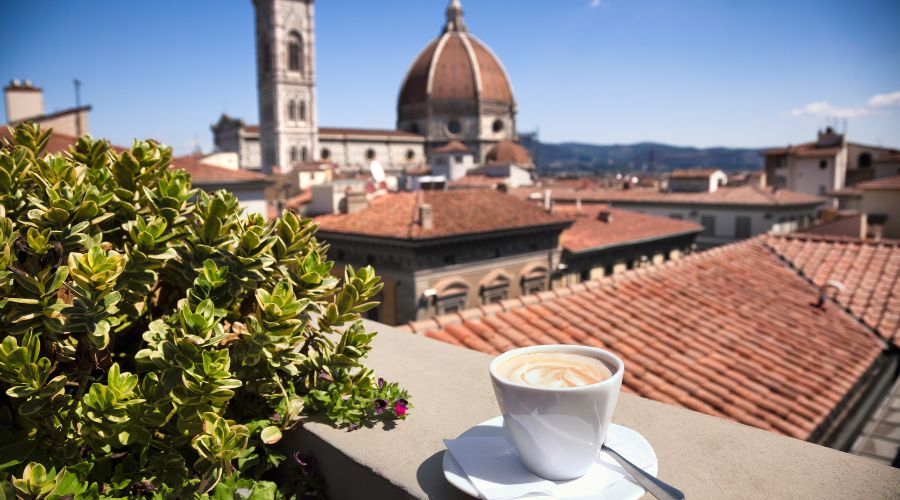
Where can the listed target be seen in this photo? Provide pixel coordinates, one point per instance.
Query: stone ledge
(706, 457)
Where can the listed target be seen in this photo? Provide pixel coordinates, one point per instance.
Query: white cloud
(876, 103)
(596, 3)
(889, 100)
(822, 108)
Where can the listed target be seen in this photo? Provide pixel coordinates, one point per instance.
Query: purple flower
(380, 383)
(352, 427)
(400, 407)
(305, 462)
(380, 406)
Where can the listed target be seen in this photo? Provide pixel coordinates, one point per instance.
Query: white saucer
(626, 440)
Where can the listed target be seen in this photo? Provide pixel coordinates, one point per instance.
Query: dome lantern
(454, 17)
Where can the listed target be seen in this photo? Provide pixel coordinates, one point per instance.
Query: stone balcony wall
(706, 457)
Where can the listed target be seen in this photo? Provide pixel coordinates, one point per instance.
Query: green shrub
(156, 341)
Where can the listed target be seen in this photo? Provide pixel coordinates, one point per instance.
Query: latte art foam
(553, 369)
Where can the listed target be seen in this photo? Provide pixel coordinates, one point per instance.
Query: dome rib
(456, 66)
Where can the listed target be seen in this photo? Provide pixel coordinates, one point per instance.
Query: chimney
(426, 216)
(605, 216)
(354, 201)
(23, 100)
(547, 201)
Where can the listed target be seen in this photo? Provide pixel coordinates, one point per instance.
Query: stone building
(727, 214)
(25, 102)
(457, 89)
(444, 251)
(831, 163)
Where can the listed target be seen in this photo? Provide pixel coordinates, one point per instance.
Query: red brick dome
(456, 67)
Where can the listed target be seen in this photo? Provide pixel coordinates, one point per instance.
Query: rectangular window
(449, 259)
(742, 227)
(709, 224)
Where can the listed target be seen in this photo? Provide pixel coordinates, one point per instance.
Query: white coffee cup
(558, 431)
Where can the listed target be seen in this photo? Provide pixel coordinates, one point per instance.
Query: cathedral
(455, 90)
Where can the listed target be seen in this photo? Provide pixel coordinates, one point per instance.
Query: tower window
(295, 51)
(370, 154)
(292, 110)
(325, 153)
(454, 127)
(410, 154)
(497, 126)
(414, 128)
(293, 154)
(302, 111)
(304, 155)
(823, 164)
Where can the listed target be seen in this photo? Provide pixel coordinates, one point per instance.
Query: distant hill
(588, 158)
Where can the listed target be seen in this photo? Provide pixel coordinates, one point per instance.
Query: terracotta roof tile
(202, 173)
(730, 332)
(455, 213)
(621, 227)
(883, 184)
(869, 272)
(726, 195)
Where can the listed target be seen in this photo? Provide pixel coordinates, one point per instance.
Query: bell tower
(286, 80)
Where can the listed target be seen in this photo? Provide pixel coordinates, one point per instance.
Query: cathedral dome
(457, 89)
(456, 66)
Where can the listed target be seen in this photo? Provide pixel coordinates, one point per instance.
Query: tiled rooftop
(726, 195)
(883, 184)
(202, 173)
(868, 270)
(623, 226)
(692, 173)
(455, 213)
(732, 332)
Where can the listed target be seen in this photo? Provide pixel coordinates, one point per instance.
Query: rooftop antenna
(77, 84)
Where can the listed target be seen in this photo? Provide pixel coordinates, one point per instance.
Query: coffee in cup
(557, 403)
(553, 369)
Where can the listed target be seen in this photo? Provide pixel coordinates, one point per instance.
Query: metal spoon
(653, 485)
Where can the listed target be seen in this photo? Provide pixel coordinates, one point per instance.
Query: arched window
(494, 287)
(534, 279)
(304, 154)
(302, 111)
(410, 154)
(865, 160)
(292, 110)
(293, 154)
(295, 51)
(450, 296)
(370, 154)
(325, 153)
(498, 125)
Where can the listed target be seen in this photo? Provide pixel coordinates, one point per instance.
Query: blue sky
(698, 72)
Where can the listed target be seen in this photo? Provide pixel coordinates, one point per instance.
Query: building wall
(392, 153)
(452, 166)
(886, 169)
(887, 203)
(763, 219)
(585, 266)
(413, 271)
(74, 124)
